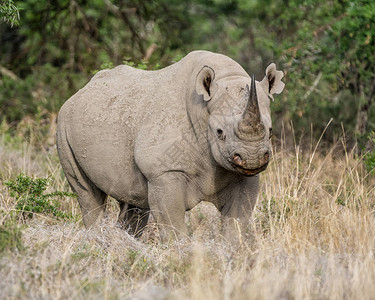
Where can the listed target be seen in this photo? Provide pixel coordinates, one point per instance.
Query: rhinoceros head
(240, 125)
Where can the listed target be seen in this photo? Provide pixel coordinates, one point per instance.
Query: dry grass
(313, 238)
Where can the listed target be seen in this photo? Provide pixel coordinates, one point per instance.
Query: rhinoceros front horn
(250, 125)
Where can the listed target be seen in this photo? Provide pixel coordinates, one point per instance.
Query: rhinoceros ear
(272, 83)
(203, 82)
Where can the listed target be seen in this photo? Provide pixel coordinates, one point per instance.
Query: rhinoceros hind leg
(91, 199)
(133, 218)
(92, 202)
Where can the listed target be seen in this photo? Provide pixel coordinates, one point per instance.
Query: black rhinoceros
(163, 141)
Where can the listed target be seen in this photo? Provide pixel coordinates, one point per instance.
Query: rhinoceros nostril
(220, 134)
(237, 159)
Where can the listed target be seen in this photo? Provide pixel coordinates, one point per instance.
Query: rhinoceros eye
(270, 134)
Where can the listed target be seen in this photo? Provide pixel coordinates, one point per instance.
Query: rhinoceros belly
(112, 169)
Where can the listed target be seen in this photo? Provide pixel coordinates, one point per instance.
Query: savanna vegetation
(313, 235)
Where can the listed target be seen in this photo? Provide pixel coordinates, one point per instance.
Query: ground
(313, 237)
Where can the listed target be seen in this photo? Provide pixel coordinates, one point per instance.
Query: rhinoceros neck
(209, 177)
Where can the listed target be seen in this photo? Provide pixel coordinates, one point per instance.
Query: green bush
(45, 89)
(9, 13)
(31, 198)
(369, 157)
(10, 237)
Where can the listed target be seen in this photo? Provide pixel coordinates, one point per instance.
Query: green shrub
(142, 65)
(9, 13)
(369, 157)
(10, 236)
(30, 196)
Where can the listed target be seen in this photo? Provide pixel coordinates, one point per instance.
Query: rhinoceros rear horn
(251, 123)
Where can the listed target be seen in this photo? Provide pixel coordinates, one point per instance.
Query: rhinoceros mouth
(250, 172)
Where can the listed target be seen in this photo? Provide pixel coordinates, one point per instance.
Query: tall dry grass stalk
(313, 237)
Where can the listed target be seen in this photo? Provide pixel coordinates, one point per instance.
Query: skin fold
(163, 141)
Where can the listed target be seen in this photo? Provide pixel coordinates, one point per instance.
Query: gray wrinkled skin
(162, 141)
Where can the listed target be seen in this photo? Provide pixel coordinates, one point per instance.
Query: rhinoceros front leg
(166, 196)
(239, 203)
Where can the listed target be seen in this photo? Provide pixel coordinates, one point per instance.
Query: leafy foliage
(142, 65)
(10, 237)
(9, 12)
(271, 211)
(369, 158)
(324, 47)
(31, 198)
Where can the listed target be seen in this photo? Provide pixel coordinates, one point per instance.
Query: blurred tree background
(325, 48)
